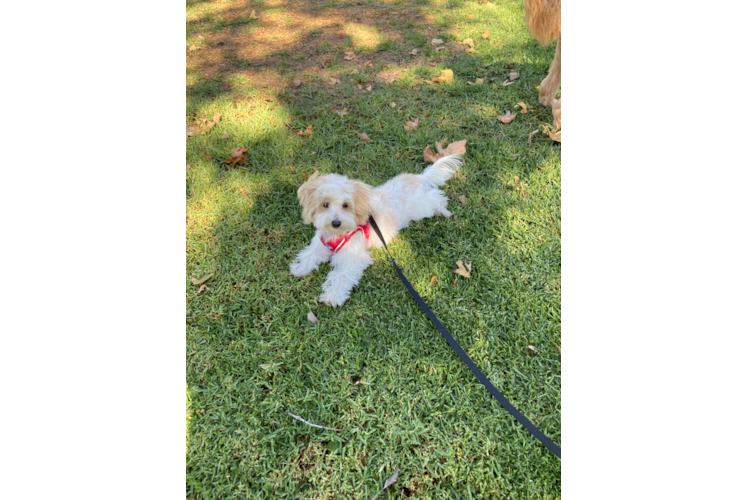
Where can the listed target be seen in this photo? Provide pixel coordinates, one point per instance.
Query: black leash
(555, 449)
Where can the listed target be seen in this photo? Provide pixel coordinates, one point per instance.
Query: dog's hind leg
(550, 84)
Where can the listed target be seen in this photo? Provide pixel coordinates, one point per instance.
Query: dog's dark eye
(325, 204)
(345, 205)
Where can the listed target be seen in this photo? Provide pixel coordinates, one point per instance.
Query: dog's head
(334, 203)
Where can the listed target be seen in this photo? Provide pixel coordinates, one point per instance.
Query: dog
(544, 20)
(339, 208)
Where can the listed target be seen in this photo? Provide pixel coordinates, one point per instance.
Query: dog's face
(333, 203)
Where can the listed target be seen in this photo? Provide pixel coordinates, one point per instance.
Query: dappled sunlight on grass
(375, 367)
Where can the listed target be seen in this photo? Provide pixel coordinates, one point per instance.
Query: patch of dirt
(292, 38)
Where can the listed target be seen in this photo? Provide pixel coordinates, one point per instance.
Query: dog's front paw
(334, 298)
(557, 114)
(547, 91)
(301, 269)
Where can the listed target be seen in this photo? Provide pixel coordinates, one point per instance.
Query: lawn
(375, 367)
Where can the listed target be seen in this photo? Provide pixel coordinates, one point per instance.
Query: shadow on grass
(375, 367)
(309, 41)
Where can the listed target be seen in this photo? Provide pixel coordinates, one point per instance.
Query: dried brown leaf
(485, 34)
(462, 199)
(532, 348)
(506, 82)
(340, 112)
(203, 287)
(411, 125)
(225, 136)
(333, 81)
(206, 127)
(429, 155)
(513, 74)
(507, 118)
(414, 52)
(236, 157)
(523, 107)
(296, 82)
(387, 77)
(555, 135)
(457, 147)
(469, 42)
(463, 269)
(202, 280)
(446, 76)
(192, 48)
(364, 137)
(311, 317)
(252, 15)
(436, 41)
(454, 148)
(439, 149)
(307, 132)
(433, 280)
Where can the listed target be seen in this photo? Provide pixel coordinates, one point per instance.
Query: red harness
(336, 244)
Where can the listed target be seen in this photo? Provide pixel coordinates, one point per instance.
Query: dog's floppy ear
(306, 197)
(361, 194)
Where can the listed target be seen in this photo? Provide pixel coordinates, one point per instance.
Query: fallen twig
(314, 425)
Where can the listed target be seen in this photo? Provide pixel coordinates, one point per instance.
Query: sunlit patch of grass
(415, 405)
(363, 36)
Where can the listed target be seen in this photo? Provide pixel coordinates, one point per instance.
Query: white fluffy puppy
(339, 208)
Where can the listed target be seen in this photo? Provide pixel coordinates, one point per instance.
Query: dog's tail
(443, 170)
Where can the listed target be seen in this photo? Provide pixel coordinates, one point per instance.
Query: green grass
(376, 367)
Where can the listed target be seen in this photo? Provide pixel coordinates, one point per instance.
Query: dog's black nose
(336, 223)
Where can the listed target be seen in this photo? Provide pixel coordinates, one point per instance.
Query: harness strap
(336, 244)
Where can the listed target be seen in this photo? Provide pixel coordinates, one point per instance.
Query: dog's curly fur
(544, 20)
(337, 205)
